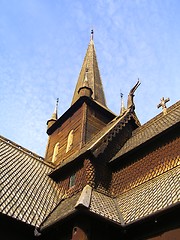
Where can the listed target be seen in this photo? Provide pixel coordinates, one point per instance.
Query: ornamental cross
(163, 105)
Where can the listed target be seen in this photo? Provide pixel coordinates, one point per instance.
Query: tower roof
(94, 79)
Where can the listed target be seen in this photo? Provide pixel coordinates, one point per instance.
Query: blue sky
(43, 43)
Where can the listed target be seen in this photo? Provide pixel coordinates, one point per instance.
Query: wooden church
(103, 176)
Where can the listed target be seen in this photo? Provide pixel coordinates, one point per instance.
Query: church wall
(155, 160)
(89, 169)
(95, 122)
(61, 135)
(84, 174)
(102, 171)
(80, 179)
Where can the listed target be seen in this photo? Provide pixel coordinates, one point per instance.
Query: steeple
(93, 76)
(86, 116)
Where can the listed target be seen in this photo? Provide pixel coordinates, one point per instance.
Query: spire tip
(92, 34)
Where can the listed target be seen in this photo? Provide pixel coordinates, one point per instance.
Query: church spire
(93, 76)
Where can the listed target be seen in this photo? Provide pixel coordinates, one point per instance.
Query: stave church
(104, 176)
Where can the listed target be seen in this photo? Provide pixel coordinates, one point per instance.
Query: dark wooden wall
(156, 160)
(85, 122)
(95, 122)
(60, 135)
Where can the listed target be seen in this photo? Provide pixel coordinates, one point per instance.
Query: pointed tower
(87, 115)
(93, 76)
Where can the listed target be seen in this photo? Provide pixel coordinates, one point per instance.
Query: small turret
(54, 116)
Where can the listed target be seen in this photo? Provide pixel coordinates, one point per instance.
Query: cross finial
(57, 101)
(163, 104)
(92, 34)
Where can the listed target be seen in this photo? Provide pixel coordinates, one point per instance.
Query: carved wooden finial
(163, 104)
(130, 103)
(123, 109)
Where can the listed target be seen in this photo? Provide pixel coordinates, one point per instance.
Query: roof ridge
(114, 122)
(157, 117)
(119, 212)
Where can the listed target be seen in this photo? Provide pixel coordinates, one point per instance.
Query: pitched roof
(93, 76)
(27, 193)
(151, 129)
(151, 197)
(65, 208)
(140, 202)
(99, 204)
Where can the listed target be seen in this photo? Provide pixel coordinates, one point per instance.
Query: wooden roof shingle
(151, 129)
(27, 193)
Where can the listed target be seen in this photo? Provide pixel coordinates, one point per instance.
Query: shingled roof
(94, 202)
(151, 129)
(27, 193)
(151, 197)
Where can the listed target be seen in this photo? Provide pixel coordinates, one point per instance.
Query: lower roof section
(153, 197)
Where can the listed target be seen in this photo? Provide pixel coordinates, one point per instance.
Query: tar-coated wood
(74, 123)
(95, 122)
(156, 159)
(85, 123)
